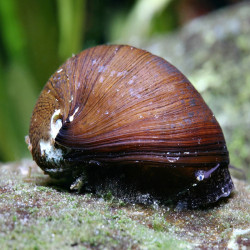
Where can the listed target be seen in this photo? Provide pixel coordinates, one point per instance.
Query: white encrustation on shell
(47, 148)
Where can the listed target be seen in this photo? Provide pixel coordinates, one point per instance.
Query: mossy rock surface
(36, 212)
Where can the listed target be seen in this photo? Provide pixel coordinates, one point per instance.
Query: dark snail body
(122, 109)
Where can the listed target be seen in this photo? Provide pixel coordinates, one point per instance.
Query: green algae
(37, 212)
(37, 215)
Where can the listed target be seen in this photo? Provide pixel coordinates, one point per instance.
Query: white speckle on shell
(122, 73)
(134, 93)
(71, 118)
(101, 79)
(131, 81)
(101, 69)
(78, 85)
(172, 159)
(112, 73)
(55, 124)
(59, 70)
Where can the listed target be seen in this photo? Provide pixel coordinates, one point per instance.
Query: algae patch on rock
(37, 212)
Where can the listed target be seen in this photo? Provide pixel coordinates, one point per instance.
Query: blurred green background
(37, 36)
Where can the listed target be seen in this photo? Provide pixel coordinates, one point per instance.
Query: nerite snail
(119, 107)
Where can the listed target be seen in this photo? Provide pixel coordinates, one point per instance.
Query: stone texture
(37, 212)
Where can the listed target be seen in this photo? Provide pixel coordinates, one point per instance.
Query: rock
(37, 212)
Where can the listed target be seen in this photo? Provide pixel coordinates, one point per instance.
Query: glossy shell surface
(116, 106)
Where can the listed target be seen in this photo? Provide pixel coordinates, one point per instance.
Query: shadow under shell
(160, 183)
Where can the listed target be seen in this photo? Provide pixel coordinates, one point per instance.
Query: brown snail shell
(123, 108)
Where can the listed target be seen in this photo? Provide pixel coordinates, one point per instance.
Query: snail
(116, 108)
